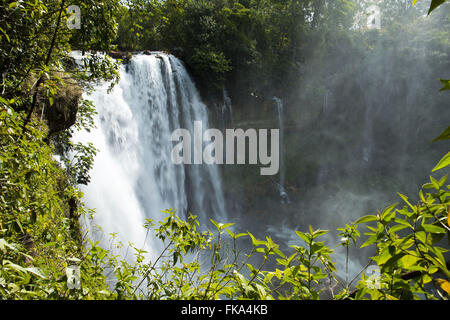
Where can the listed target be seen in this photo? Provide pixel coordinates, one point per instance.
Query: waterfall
(326, 101)
(371, 109)
(227, 110)
(133, 177)
(283, 193)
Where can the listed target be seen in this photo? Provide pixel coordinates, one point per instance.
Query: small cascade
(227, 110)
(281, 185)
(367, 135)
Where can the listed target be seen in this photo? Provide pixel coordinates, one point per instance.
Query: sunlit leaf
(445, 161)
(302, 236)
(366, 219)
(433, 229)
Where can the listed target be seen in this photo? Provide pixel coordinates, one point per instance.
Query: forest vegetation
(249, 46)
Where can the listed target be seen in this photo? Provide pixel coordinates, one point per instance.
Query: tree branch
(47, 61)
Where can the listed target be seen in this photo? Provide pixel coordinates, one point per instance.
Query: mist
(358, 126)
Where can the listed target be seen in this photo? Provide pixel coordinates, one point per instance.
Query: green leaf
(278, 252)
(444, 135)
(435, 183)
(4, 245)
(405, 198)
(435, 4)
(13, 266)
(445, 161)
(319, 232)
(433, 229)
(440, 257)
(232, 235)
(443, 180)
(397, 227)
(446, 84)
(370, 241)
(435, 237)
(384, 256)
(49, 244)
(261, 291)
(394, 259)
(303, 236)
(408, 261)
(388, 210)
(366, 219)
(403, 222)
(216, 224)
(316, 247)
(36, 271)
(422, 236)
(226, 225)
(256, 242)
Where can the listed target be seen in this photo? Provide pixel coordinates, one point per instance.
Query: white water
(227, 110)
(283, 193)
(133, 177)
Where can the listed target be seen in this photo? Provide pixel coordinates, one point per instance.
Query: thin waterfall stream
(283, 194)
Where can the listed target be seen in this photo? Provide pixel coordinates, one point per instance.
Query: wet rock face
(178, 52)
(63, 113)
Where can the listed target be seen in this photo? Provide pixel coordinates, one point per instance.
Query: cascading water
(133, 177)
(367, 136)
(326, 100)
(283, 193)
(227, 110)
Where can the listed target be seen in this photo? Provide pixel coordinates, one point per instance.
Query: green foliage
(209, 265)
(213, 65)
(139, 25)
(445, 162)
(36, 42)
(407, 245)
(40, 208)
(251, 44)
(35, 64)
(38, 237)
(195, 264)
(39, 227)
